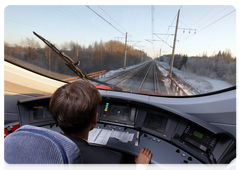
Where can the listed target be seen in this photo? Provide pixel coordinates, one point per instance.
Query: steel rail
(156, 84)
(144, 77)
(122, 73)
(131, 74)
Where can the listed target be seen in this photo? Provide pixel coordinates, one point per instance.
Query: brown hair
(73, 106)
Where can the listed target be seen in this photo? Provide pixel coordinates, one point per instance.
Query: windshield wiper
(73, 65)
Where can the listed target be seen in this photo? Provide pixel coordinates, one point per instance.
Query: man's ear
(94, 119)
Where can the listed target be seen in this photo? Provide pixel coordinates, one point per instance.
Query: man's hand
(144, 156)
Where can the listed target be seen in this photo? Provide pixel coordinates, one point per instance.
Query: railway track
(125, 74)
(154, 81)
(144, 79)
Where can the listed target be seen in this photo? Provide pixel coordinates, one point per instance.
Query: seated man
(74, 108)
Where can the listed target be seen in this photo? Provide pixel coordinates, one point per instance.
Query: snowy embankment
(114, 72)
(199, 83)
(118, 71)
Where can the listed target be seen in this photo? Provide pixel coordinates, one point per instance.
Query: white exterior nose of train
(17, 83)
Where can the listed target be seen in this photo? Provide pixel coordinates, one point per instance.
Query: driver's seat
(36, 145)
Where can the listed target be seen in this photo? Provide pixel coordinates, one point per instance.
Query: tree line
(97, 56)
(220, 66)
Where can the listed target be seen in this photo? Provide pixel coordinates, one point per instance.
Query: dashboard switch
(137, 137)
(176, 136)
(183, 155)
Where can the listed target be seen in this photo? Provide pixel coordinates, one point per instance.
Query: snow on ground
(199, 83)
(114, 72)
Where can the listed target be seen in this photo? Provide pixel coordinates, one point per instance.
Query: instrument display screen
(155, 121)
(118, 113)
(198, 134)
(40, 114)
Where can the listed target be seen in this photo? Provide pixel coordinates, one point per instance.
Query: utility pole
(125, 55)
(101, 54)
(160, 54)
(49, 55)
(142, 56)
(174, 43)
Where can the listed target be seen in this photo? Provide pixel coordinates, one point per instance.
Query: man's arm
(144, 156)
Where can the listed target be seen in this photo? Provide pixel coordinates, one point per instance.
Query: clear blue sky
(78, 23)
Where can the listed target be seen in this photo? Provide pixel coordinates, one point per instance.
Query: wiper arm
(73, 65)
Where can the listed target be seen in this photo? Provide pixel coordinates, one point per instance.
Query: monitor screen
(198, 134)
(118, 113)
(40, 114)
(155, 121)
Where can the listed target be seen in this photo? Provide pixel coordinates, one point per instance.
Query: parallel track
(142, 78)
(127, 73)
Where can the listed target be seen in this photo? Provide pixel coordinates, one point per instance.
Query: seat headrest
(36, 145)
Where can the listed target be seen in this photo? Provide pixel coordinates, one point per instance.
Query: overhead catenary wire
(106, 20)
(39, 28)
(210, 24)
(203, 16)
(129, 36)
(213, 16)
(205, 21)
(168, 30)
(185, 24)
(70, 18)
(153, 17)
(112, 18)
(83, 20)
(217, 20)
(165, 39)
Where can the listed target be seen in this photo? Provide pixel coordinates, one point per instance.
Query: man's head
(73, 106)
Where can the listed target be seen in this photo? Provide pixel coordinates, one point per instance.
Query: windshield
(153, 50)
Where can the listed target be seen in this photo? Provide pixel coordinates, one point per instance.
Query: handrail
(178, 89)
(92, 75)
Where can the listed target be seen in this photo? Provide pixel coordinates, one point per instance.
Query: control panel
(118, 113)
(200, 138)
(185, 138)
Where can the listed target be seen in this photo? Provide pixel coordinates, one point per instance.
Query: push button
(183, 155)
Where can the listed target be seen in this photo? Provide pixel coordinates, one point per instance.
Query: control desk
(172, 136)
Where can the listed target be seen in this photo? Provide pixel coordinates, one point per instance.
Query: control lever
(137, 137)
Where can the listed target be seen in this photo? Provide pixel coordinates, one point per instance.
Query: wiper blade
(73, 65)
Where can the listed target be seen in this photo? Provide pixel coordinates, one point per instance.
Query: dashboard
(173, 137)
